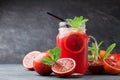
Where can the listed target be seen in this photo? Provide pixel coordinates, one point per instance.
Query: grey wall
(25, 26)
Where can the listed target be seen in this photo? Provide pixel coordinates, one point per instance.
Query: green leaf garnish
(100, 44)
(92, 48)
(109, 49)
(90, 57)
(55, 53)
(48, 61)
(77, 22)
(54, 56)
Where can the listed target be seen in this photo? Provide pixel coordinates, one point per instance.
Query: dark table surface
(18, 72)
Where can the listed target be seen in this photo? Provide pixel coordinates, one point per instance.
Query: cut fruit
(111, 66)
(39, 66)
(64, 67)
(96, 68)
(28, 59)
(74, 42)
(115, 56)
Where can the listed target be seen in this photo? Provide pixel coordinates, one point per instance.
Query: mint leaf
(90, 57)
(48, 61)
(109, 49)
(55, 53)
(90, 48)
(77, 22)
(54, 56)
(58, 52)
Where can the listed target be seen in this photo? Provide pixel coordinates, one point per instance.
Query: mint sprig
(54, 56)
(77, 22)
(48, 61)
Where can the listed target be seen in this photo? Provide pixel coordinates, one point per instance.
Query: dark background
(25, 26)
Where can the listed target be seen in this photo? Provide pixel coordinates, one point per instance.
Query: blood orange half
(64, 67)
(28, 59)
(111, 66)
(74, 42)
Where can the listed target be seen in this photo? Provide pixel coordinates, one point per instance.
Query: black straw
(55, 16)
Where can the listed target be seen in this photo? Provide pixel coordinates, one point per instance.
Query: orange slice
(74, 42)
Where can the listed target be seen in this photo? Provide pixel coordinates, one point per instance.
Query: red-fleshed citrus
(28, 59)
(40, 67)
(112, 64)
(64, 67)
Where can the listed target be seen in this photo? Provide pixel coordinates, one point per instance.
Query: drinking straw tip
(55, 16)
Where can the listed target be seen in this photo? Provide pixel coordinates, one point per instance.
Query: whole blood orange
(28, 59)
(39, 66)
(64, 67)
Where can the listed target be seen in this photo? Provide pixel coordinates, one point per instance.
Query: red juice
(74, 44)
